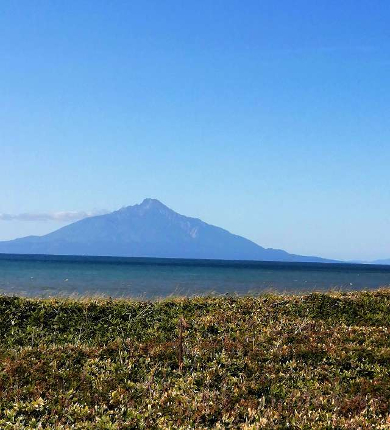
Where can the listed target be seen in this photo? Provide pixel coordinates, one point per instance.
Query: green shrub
(312, 361)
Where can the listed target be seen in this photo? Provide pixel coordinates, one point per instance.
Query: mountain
(149, 229)
(385, 261)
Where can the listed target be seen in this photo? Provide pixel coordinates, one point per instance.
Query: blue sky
(270, 119)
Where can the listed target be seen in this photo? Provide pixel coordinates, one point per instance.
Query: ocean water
(53, 276)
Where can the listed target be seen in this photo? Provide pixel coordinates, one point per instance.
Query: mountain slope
(149, 229)
(385, 261)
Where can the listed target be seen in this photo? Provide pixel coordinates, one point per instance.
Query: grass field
(313, 361)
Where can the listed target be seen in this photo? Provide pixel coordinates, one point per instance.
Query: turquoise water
(43, 276)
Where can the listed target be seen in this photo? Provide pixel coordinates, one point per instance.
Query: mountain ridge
(148, 229)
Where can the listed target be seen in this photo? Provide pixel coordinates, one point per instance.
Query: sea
(151, 278)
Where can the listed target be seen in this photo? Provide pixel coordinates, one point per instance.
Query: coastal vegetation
(272, 361)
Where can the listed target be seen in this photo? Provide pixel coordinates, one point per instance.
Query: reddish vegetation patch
(314, 361)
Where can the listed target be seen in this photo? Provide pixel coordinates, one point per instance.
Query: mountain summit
(149, 229)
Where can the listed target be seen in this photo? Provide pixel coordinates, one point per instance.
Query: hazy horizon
(267, 119)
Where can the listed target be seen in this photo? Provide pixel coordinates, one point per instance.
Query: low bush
(274, 361)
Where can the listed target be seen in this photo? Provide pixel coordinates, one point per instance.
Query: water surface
(44, 276)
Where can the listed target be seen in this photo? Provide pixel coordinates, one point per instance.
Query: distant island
(149, 229)
(385, 261)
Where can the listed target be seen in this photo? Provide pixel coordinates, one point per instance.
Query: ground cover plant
(274, 361)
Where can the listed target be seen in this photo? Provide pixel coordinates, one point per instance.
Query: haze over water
(45, 276)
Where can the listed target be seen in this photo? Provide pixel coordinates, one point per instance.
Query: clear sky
(268, 118)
